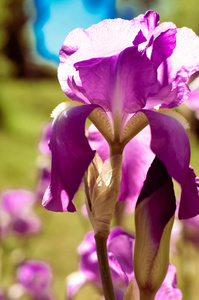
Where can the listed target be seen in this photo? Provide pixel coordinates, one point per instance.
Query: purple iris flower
(17, 210)
(36, 278)
(119, 72)
(120, 245)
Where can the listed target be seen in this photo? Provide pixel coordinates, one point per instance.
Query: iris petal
(163, 46)
(71, 156)
(124, 80)
(159, 196)
(170, 142)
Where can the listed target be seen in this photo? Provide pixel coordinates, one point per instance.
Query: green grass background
(25, 106)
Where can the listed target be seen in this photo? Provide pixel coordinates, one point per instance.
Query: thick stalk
(144, 296)
(107, 284)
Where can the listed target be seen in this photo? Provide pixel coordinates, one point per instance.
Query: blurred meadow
(29, 91)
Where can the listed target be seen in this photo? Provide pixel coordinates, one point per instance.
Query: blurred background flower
(17, 213)
(36, 277)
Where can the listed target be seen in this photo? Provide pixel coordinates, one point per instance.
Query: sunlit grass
(25, 106)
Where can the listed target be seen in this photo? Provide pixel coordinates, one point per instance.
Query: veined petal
(97, 79)
(71, 156)
(170, 142)
(136, 79)
(119, 82)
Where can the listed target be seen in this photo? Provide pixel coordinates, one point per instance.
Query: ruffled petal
(183, 62)
(81, 44)
(146, 23)
(115, 62)
(163, 46)
(170, 142)
(71, 156)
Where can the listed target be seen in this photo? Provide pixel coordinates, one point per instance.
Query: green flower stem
(107, 284)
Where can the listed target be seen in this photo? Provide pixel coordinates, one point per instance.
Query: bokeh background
(31, 34)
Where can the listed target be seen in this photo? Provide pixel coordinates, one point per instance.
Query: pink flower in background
(120, 247)
(17, 210)
(36, 277)
(44, 162)
(45, 138)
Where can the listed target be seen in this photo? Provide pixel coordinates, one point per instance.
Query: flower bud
(102, 186)
(154, 216)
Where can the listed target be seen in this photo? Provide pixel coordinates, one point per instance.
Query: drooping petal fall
(71, 156)
(170, 142)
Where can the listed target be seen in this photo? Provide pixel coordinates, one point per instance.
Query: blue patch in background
(56, 18)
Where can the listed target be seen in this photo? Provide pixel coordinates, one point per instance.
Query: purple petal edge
(170, 142)
(71, 156)
(158, 188)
